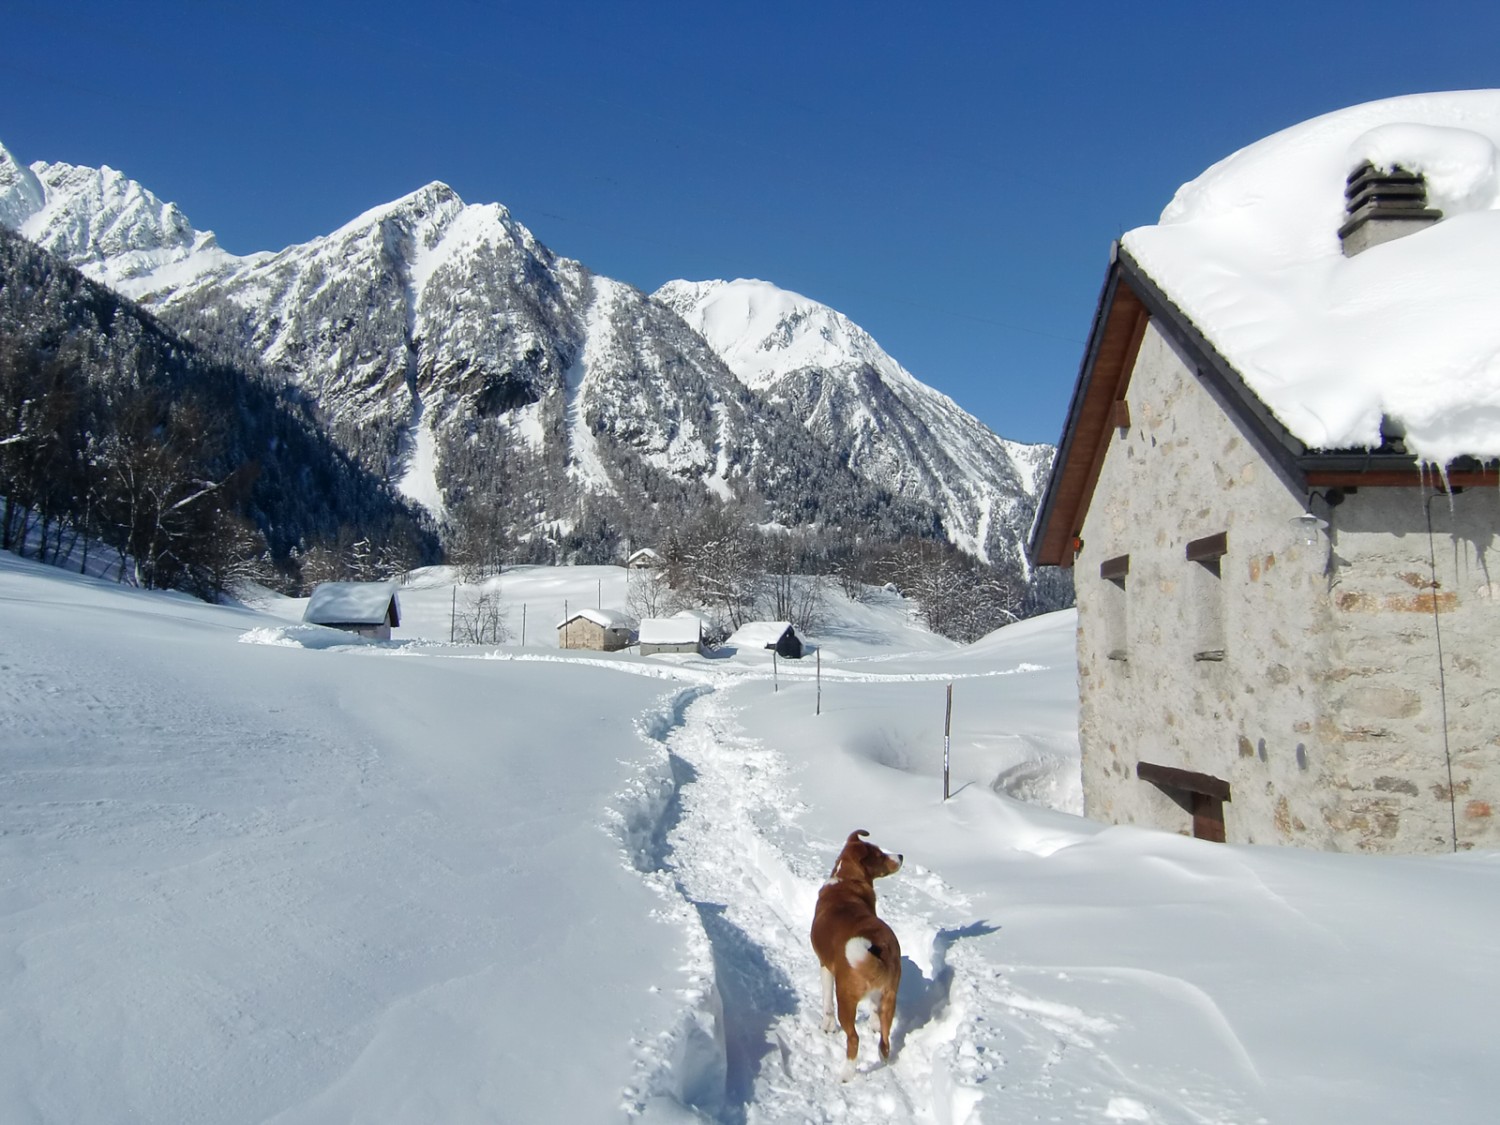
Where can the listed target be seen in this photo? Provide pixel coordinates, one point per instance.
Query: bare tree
(648, 593)
(481, 620)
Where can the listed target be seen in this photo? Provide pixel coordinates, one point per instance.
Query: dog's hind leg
(848, 1008)
(888, 1012)
(828, 1018)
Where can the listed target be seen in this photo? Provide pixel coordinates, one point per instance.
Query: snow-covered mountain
(454, 353)
(104, 223)
(891, 429)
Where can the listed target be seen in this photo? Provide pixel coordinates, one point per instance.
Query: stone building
(1285, 621)
(603, 630)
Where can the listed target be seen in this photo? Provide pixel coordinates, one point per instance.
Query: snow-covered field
(257, 871)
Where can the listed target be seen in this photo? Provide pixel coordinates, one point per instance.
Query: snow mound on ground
(303, 636)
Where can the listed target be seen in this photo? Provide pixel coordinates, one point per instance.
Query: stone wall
(1395, 720)
(1304, 674)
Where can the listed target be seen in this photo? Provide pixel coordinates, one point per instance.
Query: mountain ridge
(456, 355)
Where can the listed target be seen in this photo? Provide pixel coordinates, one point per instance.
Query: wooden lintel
(1209, 547)
(1187, 780)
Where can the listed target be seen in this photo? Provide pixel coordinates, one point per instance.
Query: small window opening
(1113, 572)
(1206, 589)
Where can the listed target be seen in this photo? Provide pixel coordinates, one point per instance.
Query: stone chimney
(1382, 206)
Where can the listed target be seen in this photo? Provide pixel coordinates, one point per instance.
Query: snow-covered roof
(351, 603)
(1250, 253)
(670, 631)
(609, 618)
(645, 554)
(759, 634)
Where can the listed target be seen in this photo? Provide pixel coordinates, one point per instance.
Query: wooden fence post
(947, 734)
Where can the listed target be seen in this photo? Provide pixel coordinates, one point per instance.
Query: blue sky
(948, 175)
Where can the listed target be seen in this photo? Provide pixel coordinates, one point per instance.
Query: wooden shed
(602, 630)
(777, 635)
(370, 609)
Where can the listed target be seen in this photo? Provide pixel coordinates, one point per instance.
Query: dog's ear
(857, 835)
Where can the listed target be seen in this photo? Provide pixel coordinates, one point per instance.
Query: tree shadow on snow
(755, 994)
(923, 999)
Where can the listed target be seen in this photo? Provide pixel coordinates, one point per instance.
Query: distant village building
(711, 630)
(370, 609)
(671, 634)
(603, 630)
(645, 559)
(777, 635)
(1286, 623)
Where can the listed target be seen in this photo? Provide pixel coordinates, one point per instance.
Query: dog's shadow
(923, 999)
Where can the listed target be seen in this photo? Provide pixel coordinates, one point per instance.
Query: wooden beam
(1401, 478)
(1170, 777)
(1209, 547)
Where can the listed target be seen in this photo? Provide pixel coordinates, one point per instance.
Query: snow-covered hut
(777, 635)
(645, 559)
(670, 634)
(1276, 487)
(603, 630)
(370, 609)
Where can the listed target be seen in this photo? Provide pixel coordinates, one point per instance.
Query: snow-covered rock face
(104, 223)
(21, 194)
(457, 356)
(893, 430)
(1250, 251)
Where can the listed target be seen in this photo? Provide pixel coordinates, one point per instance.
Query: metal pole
(947, 731)
(453, 618)
(775, 684)
(818, 710)
(523, 624)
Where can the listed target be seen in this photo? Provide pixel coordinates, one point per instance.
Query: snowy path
(974, 1042)
(749, 873)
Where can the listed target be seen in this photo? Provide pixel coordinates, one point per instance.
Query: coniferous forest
(116, 433)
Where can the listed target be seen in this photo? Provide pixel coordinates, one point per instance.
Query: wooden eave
(1119, 325)
(1129, 301)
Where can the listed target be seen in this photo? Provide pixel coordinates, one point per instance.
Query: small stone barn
(644, 559)
(671, 634)
(1277, 490)
(777, 635)
(370, 609)
(603, 630)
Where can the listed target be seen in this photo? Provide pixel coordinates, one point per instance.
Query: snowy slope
(1250, 252)
(891, 429)
(253, 870)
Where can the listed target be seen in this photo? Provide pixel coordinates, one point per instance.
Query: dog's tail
(856, 949)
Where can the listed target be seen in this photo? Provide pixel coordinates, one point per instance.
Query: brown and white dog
(859, 953)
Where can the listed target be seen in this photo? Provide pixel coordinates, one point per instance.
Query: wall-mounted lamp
(1307, 527)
